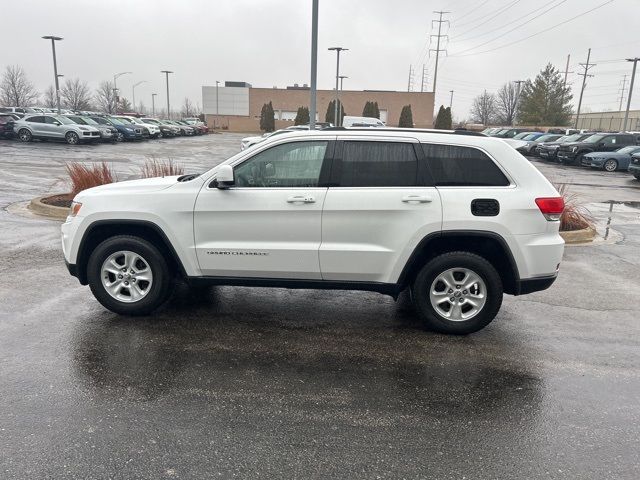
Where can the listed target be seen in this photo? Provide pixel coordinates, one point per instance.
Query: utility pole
(633, 77)
(167, 72)
(153, 104)
(335, 110)
(566, 70)
(424, 77)
(624, 82)
(133, 92)
(584, 75)
(342, 77)
(451, 99)
(55, 39)
(410, 80)
(437, 49)
(314, 65)
(515, 104)
(217, 110)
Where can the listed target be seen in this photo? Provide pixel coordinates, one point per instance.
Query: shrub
(574, 216)
(160, 168)
(87, 176)
(406, 117)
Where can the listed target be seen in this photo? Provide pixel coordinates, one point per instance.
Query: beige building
(608, 121)
(238, 105)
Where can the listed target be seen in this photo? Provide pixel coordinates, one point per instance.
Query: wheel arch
(488, 245)
(101, 230)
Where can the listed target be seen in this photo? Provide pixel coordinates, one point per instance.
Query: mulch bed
(62, 200)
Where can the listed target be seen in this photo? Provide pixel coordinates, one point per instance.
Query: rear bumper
(530, 285)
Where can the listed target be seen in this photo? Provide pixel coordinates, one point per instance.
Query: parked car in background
(531, 147)
(611, 161)
(6, 125)
(572, 153)
(522, 135)
(13, 110)
(185, 130)
(549, 150)
(124, 131)
(349, 121)
(54, 127)
(491, 130)
(509, 132)
(107, 132)
(147, 130)
(634, 165)
(166, 130)
(250, 141)
(197, 129)
(522, 141)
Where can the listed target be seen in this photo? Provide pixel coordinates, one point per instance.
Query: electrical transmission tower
(624, 82)
(423, 87)
(584, 75)
(440, 21)
(410, 81)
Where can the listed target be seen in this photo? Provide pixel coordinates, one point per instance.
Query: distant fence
(609, 124)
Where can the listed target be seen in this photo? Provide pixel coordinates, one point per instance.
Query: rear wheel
(611, 165)
(72, 138)
(25, 135)
(457, 293)
(128, 275)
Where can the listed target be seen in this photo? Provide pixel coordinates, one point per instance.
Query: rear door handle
(417, 198)
(301, 199)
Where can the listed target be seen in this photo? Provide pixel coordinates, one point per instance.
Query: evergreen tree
(376, 110)
(406, 117)
(367, 111)
(329, 117)
(302, 116)
(448, 120)
(545, 100)
(267, 118)
(440, 120)
(263, 118)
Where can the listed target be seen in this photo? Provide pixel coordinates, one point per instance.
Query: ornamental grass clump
(160, 168)
(88, 176)
(575, 216)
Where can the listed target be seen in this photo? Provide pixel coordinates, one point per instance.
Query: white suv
(458, 218)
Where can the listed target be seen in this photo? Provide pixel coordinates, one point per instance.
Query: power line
(538, 33)
(513, 29)
(498, 10)
(472, 10)
(494, 30)
(512, 4)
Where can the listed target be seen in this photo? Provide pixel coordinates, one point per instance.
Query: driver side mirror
(224, 177)
(56, 123)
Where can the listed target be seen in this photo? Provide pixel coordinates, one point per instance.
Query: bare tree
(105, 97)
(75, 95)
(188, 109)
(49, 98)
(15, 88)
(506, 103)
(483, 109)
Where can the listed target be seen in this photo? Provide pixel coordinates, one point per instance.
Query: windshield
(124, 121)
(64, 120)
(572, 138)
(529, 136)
(88, 121)
(522, 136)
(593, 139)
(151, 120)
(114, 121)
(77, 120)
(546, 138)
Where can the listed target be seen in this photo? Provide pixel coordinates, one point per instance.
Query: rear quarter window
(457, 166)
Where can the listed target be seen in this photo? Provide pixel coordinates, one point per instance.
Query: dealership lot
(237, 381)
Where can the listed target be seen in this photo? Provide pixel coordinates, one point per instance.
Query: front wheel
(610, 165)
(128, 275)
(457, 293)
(72, 138)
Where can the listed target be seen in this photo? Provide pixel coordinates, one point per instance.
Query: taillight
(551, 207)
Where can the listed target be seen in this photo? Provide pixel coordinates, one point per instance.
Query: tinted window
(378, 164)
(35, 120)
(296, 164)
(457, 166)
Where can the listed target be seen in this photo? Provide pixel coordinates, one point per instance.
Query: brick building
(238, 105)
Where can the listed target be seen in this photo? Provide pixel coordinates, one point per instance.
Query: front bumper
(592, 162)
(565, 156)
(634, 169)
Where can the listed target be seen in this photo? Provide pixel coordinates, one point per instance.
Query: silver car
(107, 132)
(54, 127)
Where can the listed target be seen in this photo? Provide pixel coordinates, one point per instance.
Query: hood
(131, 186)
(550, 144)
(515, 143)
(571, 144)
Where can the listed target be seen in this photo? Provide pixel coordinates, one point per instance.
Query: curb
(37, 206)
(579, 236)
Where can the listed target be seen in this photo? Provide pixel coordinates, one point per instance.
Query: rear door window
(458, 166)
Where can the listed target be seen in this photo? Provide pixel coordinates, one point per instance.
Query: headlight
(129, 129)
(528, 144)
(75, 208)
(83, 128)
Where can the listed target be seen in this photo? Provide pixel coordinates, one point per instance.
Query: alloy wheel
(458, 294)
(610, 165)
(126, 276)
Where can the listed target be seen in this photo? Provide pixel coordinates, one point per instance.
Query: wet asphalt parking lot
(274, 383)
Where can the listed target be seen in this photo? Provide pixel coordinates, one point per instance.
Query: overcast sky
(267, 43)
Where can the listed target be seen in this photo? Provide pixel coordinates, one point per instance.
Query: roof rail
(409, 130)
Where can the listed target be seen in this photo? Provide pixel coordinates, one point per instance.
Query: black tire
(159, 289)
(25, 135)
(72, 138)
(576, 161)
(610, 165)
(637, 177)
(119, 137)
(420, 292)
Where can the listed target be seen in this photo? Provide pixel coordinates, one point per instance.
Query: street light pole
(335, 110)
(115, 88)
(153, 104)
(633, 77)
(342, 77)
(217, 111)
(167, 72)
(314, 65)
(54, 39)
(451, 99)
(133, 92)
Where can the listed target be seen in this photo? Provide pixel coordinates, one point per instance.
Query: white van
(362, 122)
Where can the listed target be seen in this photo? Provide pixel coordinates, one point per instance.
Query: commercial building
(236, 106)
(609, 121)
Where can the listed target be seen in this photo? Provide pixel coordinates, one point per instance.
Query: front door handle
(301, 199)
(417, 198)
